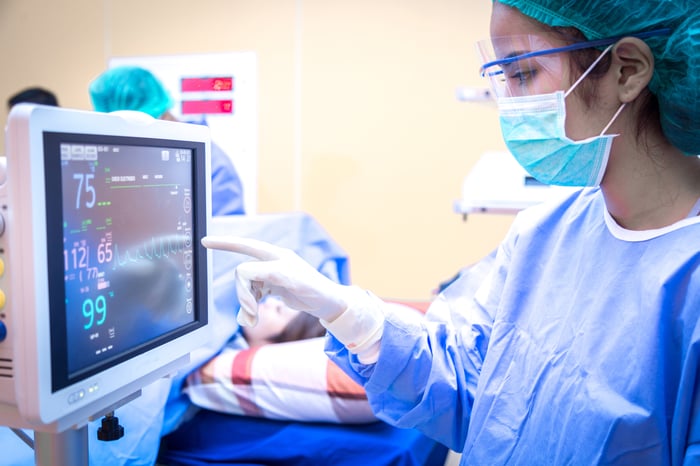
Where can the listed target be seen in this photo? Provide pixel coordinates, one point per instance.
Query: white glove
(352, 315)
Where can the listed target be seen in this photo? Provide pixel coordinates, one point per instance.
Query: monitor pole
(62, 448)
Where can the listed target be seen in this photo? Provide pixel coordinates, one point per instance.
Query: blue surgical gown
(579, 346)
(226, 187)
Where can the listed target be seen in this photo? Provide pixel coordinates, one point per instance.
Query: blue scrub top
(580, 346)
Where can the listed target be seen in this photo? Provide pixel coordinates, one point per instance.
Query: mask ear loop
(588, 71)
(612, 120)
(583, 76)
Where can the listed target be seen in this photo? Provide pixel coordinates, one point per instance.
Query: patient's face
(273, 318)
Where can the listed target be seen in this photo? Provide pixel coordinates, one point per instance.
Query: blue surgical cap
(676, 80)
(129, 88)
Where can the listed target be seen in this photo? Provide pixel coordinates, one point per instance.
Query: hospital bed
(212, 437)
(236, 440)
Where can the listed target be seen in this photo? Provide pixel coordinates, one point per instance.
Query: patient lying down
(278, 370)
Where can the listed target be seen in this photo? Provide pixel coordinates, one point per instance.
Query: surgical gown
(226, 187)
(580, 346)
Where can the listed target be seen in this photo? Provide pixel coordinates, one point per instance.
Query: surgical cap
(676, 80)
(129, 88)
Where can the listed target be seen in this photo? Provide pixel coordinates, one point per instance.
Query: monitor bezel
(60, 374)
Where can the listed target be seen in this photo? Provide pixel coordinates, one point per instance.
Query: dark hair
(35, 95)
(582, 59)
(301, 327)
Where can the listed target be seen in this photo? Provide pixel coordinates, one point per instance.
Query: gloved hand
(352, 315)
(280, 272)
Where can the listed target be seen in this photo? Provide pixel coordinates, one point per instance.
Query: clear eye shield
(522, 65)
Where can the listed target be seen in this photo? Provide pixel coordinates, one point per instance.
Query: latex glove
(280, 272)
(352, 315)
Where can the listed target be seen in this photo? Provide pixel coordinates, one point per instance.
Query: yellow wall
(359, 123)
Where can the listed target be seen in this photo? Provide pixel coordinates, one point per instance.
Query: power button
(3, 332)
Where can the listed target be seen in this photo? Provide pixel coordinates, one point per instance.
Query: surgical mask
(534, 129)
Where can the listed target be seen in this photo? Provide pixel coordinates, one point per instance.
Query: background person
(35, 95)
(135, 88)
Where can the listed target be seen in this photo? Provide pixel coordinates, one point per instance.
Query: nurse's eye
(521, 77)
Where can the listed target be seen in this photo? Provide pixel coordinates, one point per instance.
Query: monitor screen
(122, 278)
(103, 280)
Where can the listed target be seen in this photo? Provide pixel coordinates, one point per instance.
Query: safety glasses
(522, 65)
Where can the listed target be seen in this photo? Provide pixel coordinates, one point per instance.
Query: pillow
(287, 381)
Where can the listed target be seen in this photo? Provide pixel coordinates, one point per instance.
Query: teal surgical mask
(533, 128)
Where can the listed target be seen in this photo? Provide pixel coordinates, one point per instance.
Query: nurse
(580, 343)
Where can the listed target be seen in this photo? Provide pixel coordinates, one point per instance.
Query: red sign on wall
(215, 84)
(198, 107)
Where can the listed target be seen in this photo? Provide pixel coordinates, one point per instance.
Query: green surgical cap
(129, 88)
(676, 80)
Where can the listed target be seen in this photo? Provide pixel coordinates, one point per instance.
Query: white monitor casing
(28, 398)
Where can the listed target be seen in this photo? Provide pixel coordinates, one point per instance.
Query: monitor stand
(63, 448)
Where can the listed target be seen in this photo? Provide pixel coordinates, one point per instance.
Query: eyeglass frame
(568, 48)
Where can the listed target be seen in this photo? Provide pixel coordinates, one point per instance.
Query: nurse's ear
(633, 64)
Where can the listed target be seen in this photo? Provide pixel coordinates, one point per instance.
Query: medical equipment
(474, 94)
(103, 286)
(497, 184)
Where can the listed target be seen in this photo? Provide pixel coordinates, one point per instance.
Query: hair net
(676, 80)
(129, 88)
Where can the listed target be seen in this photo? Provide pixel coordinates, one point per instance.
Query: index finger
(250, 247)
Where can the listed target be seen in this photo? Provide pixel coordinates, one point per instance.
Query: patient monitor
(103, 281)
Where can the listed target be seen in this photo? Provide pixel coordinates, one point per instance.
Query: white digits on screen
(89, 189)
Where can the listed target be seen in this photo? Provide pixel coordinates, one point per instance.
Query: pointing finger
(250, 247)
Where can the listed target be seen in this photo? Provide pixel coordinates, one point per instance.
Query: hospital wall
(359, 124)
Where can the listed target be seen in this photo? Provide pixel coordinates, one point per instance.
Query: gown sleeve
(428, 369)
(692, 447)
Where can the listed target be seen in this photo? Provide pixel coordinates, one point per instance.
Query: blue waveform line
(154, 249)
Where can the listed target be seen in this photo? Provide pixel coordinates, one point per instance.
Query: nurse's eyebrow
(513, 58)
